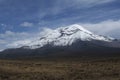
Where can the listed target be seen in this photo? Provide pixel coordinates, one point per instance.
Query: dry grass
(103, 69)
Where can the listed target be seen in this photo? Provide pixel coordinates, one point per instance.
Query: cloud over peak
(108, 28)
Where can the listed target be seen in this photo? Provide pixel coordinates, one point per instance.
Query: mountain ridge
(66, 36)
(68, 41)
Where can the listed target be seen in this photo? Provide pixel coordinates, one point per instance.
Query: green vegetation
(64, 69)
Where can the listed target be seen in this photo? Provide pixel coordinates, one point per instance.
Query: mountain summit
(65, 36)
(68, 41)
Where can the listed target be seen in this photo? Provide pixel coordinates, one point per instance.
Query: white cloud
(11, 39)
(88, 3)
(2, 42)
(18, 43)
(94, 1)
(27, 24)
(79, 3)
(69, 4)
(13, 35)
(109, 28)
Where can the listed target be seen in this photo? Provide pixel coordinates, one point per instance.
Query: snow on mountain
(64, 36)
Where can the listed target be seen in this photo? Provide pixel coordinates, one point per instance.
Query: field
(60, 69)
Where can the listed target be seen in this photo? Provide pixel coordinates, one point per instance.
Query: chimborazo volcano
(70, 41)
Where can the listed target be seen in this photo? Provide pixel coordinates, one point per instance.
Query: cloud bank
(11, 39)
(108, 28)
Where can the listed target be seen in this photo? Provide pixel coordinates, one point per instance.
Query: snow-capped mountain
(65, 36)
(68, 41)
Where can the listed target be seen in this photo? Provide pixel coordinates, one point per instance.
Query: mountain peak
(64, 36)
(74, 27)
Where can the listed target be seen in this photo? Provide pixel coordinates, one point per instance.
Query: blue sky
(19, 19)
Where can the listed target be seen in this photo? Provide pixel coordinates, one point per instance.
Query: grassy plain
(61, 69)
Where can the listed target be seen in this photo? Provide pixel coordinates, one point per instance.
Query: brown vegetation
(79, 69)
